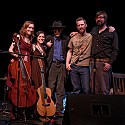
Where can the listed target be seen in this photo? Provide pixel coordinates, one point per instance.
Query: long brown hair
(23, 29)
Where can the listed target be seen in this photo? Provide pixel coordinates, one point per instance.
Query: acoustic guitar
(45, 105)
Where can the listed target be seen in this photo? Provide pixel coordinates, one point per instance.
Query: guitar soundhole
(45, 104)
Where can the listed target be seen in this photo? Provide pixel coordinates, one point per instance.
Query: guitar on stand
(45, 105)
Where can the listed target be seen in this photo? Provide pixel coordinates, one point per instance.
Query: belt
(58, 62)
(102, 60)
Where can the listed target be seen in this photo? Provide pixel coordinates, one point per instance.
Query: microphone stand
(20, 54)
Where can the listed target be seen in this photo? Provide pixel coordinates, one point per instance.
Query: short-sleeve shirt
(81, 48)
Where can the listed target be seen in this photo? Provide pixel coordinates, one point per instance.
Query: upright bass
(22, 92)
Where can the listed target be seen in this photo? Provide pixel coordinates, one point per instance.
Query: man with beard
(104, 52)
(78, 67)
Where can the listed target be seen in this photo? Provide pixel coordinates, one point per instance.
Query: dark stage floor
(54, 121)
(5, 111)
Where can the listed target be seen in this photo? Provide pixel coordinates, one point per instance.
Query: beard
(100, 23)
(82, 30)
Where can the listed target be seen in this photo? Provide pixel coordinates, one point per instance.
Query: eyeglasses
(100, 17)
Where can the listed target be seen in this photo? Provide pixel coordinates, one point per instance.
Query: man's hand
(72, 34)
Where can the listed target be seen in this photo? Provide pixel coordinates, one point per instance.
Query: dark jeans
(80, 79)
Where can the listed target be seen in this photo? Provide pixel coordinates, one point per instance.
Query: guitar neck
(43, 82)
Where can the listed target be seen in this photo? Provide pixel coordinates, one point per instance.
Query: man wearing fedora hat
(57, 24)
(57, 44)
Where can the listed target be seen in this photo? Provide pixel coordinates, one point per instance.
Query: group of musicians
(37, 73)
(34, 74)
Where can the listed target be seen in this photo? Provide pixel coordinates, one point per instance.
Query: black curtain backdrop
(43, 13)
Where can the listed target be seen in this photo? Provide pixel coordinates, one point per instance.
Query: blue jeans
(80, 79)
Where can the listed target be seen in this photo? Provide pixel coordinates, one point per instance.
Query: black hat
(57, 24)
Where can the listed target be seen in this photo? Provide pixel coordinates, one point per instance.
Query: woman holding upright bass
(22, 93)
